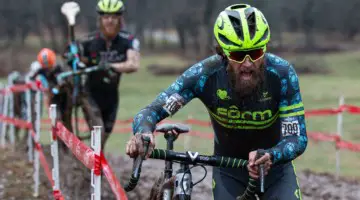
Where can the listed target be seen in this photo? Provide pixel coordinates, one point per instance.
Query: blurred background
(165, 26)
(321, 38)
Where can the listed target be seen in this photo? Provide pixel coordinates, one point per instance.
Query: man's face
(246, 75)
(110, 24)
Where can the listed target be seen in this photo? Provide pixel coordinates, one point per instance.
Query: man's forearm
(132, 63)
(288, 149)
(124, 67)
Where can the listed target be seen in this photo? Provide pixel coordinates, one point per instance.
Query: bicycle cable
(182, 179)
(202, 177)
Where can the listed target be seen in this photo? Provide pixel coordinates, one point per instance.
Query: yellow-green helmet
(241, 27)
(110, 7)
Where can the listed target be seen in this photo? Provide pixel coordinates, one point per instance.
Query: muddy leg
(91, 112)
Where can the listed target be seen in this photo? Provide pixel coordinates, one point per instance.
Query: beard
(250, 86)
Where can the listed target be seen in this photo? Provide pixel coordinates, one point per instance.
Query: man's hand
(254, 164)
(135, 146)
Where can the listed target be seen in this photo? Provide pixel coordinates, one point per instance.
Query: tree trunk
(308, 24)
(208, 22)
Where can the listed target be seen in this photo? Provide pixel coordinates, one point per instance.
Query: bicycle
(183, 179)
(82, 72)
(61, 76)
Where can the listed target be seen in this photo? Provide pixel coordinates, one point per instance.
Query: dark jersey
(94, 48)
(47, 76)
(273, 120)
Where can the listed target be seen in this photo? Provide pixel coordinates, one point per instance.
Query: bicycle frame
(170, 138)
(77, 83)
(183, 181)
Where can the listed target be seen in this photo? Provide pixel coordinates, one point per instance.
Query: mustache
(242, 87)
(247, 70)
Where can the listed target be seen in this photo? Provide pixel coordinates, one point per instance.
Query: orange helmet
(46, 58)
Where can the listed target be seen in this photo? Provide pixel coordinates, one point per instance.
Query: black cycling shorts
(107, 109)
(280, 184)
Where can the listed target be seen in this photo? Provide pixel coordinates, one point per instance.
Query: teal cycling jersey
(273, 119)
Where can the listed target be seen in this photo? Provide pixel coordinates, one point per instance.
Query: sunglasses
(240, 56)
(110, 14)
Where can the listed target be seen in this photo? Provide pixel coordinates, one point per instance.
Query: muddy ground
(16, 180)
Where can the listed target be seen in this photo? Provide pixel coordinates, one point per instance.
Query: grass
(318, 91)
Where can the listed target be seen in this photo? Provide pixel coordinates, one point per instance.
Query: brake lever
(146, 141)
(140, 158)
(135, 176)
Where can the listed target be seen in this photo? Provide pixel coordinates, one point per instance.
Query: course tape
(35, 85)
(27, 125)
(87, 156)
(317, 136)
(317, 112)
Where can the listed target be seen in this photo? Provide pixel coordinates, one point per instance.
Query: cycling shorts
(106, 109)
(280, 184)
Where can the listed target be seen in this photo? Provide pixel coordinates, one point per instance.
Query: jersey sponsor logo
(124, 35)
(265, 97)
(289, 128)
(173, 104)
(111, 56)
(234, 113)
(222, 94)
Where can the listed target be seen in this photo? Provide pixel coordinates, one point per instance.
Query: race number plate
(290, 128)
(173, 104)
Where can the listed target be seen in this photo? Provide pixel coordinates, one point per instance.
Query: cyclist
(45, 69)
(118, 52)
(254, 102)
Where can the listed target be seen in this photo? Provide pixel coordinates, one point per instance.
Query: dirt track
(16, 180)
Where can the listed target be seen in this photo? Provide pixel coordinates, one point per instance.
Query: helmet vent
(251, 21)
(238, 6)
(226, 41)
(234, 18)
(265, 35)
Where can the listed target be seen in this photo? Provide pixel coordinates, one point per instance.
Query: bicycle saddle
(179, 128)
